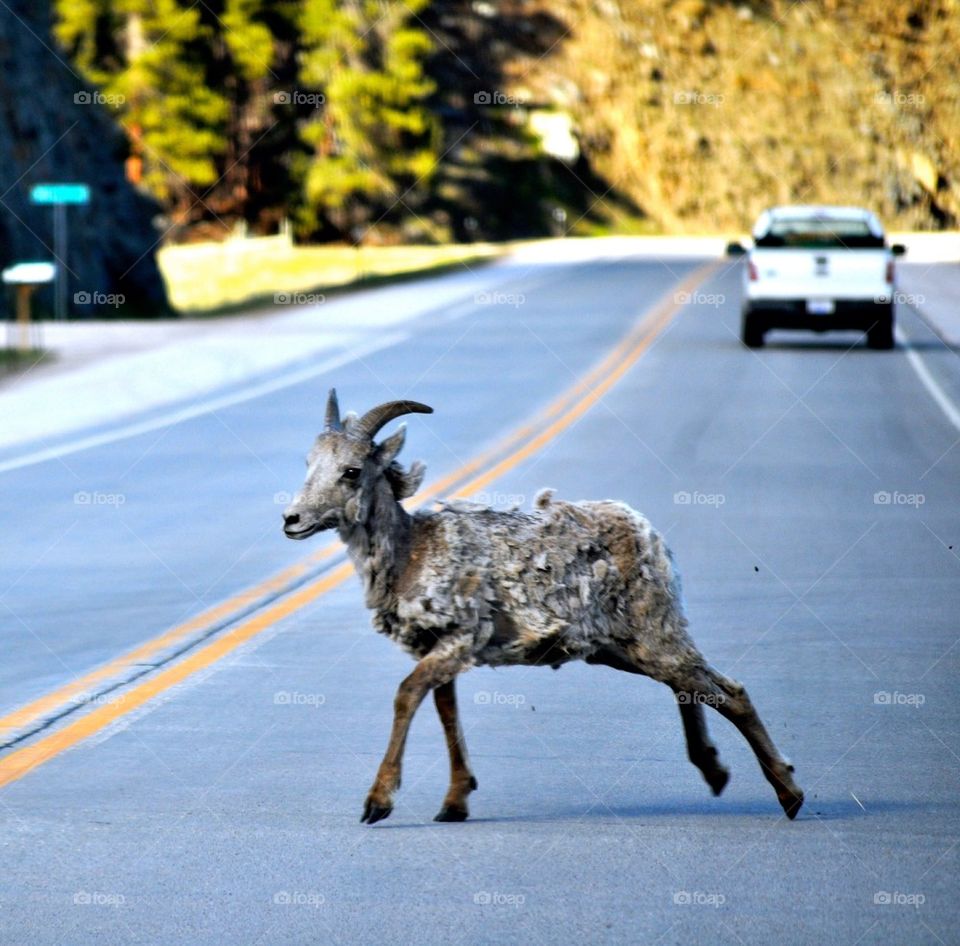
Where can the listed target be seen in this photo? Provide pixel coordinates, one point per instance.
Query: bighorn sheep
(470, 586)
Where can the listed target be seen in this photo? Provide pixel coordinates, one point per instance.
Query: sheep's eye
(351, 474)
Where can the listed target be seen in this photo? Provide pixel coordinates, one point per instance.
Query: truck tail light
(889, 275)
(752, 271)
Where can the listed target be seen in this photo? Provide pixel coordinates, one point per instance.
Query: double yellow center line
(474, 476)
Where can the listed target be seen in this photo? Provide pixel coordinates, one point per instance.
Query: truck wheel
(751, 329)
(880, 334)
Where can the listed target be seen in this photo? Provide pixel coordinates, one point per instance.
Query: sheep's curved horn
(368, 425)
(332, 420)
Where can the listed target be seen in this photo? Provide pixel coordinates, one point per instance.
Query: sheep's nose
(292, 519)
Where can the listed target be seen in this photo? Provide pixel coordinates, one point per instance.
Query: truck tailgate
(813, 273)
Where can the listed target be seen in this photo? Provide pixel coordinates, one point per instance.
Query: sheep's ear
(406, 483)
(349, 420)
(386, 452)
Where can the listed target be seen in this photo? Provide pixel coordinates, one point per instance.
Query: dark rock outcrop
(51, 131)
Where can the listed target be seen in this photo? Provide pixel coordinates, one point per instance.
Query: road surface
(809, 492)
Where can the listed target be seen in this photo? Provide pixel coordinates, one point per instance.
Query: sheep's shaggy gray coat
(556, 584)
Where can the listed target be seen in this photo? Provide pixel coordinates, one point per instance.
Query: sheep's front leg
(462, 781)
(431, 672)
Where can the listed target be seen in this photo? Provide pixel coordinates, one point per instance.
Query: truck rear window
(819, 234)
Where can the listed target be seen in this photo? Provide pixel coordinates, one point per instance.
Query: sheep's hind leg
(462, 781)
(700, 750)
(730, 699)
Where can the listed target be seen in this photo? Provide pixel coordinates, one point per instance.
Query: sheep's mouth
(301, 533)
(319, 526)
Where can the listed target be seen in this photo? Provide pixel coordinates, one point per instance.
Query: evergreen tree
(252, 50)
(248, 37)
(194, 86)
(374, 140)
(149, 59)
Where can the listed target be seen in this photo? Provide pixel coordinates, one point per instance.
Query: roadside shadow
(497, 180)
(929, 344)
(851, 345)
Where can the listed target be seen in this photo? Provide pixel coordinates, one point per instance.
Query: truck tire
(880, 334)
(751, 329)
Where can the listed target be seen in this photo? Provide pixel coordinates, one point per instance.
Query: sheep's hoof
(372, 812)
(717, 780)
(452, 813)
(791, 802)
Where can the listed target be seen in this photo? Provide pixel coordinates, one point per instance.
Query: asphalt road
(809, 492)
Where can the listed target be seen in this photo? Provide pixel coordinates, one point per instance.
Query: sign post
(26, 277)
(58, 196)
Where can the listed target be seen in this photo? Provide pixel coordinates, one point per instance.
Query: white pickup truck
(819, 268)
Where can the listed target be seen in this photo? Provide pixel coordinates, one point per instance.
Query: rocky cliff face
(704, 112)
(52, 129)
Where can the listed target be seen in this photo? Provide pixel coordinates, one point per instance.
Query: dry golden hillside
(704, 112)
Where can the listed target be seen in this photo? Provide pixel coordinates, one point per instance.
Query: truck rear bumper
(856, 314)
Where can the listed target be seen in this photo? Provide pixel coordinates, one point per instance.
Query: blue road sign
(60, 194)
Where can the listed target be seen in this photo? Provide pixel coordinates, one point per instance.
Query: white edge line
(933, 388)
(205, 407)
